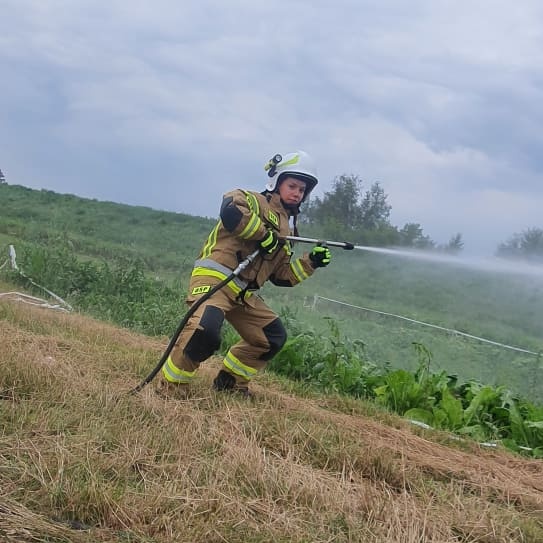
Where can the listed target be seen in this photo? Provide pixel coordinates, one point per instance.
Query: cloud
(438, 101)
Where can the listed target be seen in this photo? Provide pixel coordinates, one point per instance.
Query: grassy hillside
(500, 308)
(166, 241)
(83, 462)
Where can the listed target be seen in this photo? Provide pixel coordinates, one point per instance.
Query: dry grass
(82, 461)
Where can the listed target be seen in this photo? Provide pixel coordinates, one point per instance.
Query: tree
(340, 206)
(411, 235)
(455, 245)
(528, 244)
(347, 211)
(345, 206)
(374, 209)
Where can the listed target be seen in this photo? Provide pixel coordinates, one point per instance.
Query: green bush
(118, 291)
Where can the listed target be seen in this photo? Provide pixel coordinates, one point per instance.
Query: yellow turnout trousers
(262, 335)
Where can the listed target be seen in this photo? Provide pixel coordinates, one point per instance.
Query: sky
(170, 104)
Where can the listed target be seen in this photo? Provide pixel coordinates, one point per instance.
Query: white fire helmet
(298, 164)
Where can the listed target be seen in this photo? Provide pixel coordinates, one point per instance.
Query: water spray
(487, 264)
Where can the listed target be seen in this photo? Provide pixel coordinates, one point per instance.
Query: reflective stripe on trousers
(239, 368)
(173, 374)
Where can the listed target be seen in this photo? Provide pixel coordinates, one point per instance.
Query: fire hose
(242, 266)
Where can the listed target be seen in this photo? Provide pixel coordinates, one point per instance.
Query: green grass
(497, 307)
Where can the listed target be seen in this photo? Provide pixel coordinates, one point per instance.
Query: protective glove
(320, 256)
(269, 243)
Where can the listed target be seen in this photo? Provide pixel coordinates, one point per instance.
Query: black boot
(224, 381)
(227, 382)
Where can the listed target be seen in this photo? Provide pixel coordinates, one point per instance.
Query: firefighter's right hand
(269, 243)
(320, 256)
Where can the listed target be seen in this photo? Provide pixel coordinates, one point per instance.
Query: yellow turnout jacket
(246, 217)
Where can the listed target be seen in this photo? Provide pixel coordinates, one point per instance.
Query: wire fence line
(25, 298)
(316, 297)
(31, 300)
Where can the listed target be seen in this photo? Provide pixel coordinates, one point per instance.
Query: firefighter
(248, 221)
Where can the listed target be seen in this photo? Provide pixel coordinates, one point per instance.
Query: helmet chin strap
(294, 210)
(294, 225)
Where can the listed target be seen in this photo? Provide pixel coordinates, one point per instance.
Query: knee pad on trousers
(207, 337)
(276, 335)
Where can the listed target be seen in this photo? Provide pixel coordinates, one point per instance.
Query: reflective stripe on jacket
(224, 249)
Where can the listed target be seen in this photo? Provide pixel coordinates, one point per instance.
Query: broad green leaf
(420, 415)
(453, 409)
(482, 399)
(441, 420)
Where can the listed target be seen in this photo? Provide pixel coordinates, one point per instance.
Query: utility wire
(449, 330)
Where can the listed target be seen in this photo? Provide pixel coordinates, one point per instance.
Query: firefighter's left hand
(320, 256)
